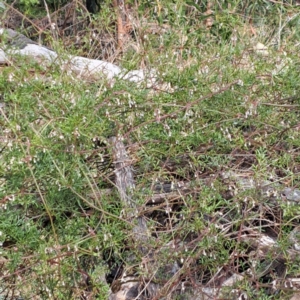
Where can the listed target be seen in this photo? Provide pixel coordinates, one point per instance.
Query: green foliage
(28, 3)
(220, 106)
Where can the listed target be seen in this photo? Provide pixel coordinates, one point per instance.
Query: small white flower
(168, 209)
(182, 286)
(76, 133)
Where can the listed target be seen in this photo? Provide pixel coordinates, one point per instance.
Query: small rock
(290, 194)
(261, 49)
(3, 58)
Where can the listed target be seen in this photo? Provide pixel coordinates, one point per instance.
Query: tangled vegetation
(213, 145)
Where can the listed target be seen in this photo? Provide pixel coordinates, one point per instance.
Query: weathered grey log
(82, 66)
(16, 39)
(125, 184)
(123, 172)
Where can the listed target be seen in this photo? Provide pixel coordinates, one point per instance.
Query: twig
(280, 105)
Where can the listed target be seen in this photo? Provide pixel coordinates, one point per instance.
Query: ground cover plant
(213, 146)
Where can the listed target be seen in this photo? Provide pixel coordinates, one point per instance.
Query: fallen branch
(125, 184)
(84, 67)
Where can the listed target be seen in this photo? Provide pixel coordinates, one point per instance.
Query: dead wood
(126, 185)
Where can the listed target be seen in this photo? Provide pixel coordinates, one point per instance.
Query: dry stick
(125, 184)
(120, 12)
(52, 28)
